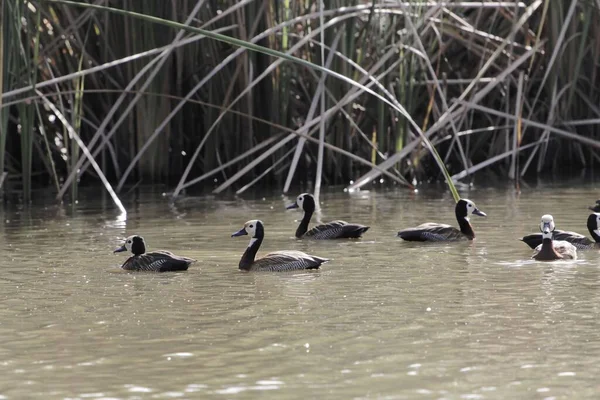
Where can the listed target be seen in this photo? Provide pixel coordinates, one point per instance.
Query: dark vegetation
(505, 84)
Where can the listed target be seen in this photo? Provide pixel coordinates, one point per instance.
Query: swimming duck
(434, 232)
(551, 250)
(155, 261)
(596, 208)
(577, 240)
(331, 230)
(287, 260)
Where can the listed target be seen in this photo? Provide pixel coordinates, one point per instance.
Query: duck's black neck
(303, 227)
(592, 228)
(248, 257)
(465, 226)
(548, 252)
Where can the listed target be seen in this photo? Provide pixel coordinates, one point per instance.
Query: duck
(595, 208)
(581, 242)
(551, 250)
(155, 261)
(287, 260)
(434, 232)
(331, 230)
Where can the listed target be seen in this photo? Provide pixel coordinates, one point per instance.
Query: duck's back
(157, 261)
(432, 232)
(579, 241)
(336, 230)
(288, 260)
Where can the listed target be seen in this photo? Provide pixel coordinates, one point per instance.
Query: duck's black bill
(120, 249)
(480, 213)
(241, 232)
(295, 205)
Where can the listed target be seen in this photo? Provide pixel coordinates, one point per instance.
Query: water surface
(385, 319)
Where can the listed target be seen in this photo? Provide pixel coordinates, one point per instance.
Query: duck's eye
(129, 241)
(300, 198)
(470, 205)
(251, 226)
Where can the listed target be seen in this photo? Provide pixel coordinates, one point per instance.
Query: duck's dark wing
(158, 261)
(336, 230)
(432, 232)
(577, 240)
(287, 261)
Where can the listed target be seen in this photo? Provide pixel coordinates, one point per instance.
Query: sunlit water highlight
(384, 319)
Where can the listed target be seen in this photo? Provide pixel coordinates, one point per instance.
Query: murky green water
(385, 319)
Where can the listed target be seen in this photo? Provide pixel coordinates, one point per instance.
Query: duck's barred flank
(157, 261)
(335, 230)
(287, 261)
(137, 264)
(583, 246)
(434, 237)
(562, 250)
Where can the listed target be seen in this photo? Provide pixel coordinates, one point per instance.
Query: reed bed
(223, 95)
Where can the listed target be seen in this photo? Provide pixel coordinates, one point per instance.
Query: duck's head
(305, 201)
(254, 228)
(135, 244)
(593, 223)
(547, 226)
(465, 207)
(595, 208)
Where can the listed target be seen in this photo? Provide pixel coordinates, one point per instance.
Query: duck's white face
(471, 208)
(300, 200)
(129, 242)
(547, 225)
(597, 230)
(250, 227)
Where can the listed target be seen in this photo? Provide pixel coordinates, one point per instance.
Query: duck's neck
(248, 257)
(593, 232)
(548, 252)
(303, 227)
(465, 227)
